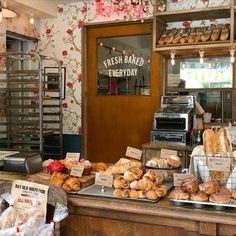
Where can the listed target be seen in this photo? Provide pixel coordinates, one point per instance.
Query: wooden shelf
(193, 49)
(194, 14)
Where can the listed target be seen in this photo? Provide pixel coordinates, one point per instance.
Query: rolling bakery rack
(30, 104)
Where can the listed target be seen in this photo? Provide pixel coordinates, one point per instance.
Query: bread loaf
(225, 32)
(208, 136)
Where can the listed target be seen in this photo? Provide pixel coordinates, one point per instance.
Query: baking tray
(197, 204)
(96, 191)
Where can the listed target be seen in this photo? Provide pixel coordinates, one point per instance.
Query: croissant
(161, 191)
(59, 175)
(136, 172)
(73, 184)
(57, 181)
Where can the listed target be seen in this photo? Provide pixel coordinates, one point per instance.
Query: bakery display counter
(90, 216)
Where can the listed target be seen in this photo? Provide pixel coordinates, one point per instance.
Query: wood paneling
(103, 217)
(112, 123)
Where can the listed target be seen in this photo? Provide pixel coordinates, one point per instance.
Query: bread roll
(134, 184)
(234, 194)
(178, 194)
(209, 187)
(199, 196)
(192, 36)
(141, 194)
(161, 191)
(225, 32)
(129, 176)
(117, 193)
(219, 198)
(152, 195)
(184, 37)
(216, 33)
(174, 161)
(133, 193)
(189, 184)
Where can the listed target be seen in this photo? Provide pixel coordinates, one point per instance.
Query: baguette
(208, 137)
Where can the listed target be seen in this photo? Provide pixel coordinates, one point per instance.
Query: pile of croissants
(133, 184)
(65, 181)
(195, 35)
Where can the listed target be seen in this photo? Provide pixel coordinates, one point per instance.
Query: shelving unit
(161, 19)
(31, 115)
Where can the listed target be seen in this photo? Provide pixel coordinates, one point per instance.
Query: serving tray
(107, 192)
(197, 204)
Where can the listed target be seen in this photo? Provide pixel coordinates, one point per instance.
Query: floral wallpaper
(61, 37)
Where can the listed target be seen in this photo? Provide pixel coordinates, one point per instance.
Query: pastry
(125, 192)
(162, 163)
(208, 136)
(133, 193)
(207, 33)
(184, 37)
(142, 184)
(68, 163)
(209, 187)
(157, 180)
(225, 32)
(189, 184)
(178, 194)
(174, 161)
(199, 196)
(161, 41)
(215, 33)
(134, 184)
(234, 195)
(117, 193)
(72, 184)
(57, 182)
(152, 163)
(141, 194)
(192, 36)
(99, 166)
(161, 191)
(219, 198)
(152, 195)
(129, 176)
(170, 36)
(59, 175)
(150, 186)
(224, 190)
(137, 172)
(178, 36)
(199, 34)
(151, 174)
(120, 182)
(87, 167)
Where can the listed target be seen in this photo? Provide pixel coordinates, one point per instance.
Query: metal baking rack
(29, 115)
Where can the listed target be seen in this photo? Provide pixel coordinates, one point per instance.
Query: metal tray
(196, 204)
(167, 168)
(96, 190)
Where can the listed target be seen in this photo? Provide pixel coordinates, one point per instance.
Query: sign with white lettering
(26, 193)
(165, 153)
(219, 164)
(104, 180)
(77, 170)
(73, 155)
(134, 153)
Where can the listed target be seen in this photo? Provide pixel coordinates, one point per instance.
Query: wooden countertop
(164, 208)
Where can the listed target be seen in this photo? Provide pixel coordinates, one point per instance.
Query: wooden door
(111, 123)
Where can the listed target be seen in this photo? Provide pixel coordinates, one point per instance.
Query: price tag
(219, 164)
(165, 153)
(104, 180)
(73, 155)
(178, 178)
(134, 153)
(77, 170)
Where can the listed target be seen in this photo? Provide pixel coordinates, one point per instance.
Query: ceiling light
(31, 18)
(172, 56)
(201, 55)
(232, 52)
